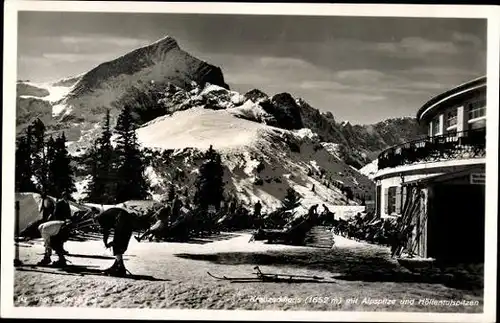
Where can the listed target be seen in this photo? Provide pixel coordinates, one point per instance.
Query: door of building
(456, 223)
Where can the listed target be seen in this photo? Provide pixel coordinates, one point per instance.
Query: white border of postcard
(491, 13)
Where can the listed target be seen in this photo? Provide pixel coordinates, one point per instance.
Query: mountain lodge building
(435, 186)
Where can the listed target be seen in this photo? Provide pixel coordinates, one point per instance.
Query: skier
(62, 212)
(122, 222)
(54, 234)
(163, 216)
(56, 231)
(46, 210)
(62, 209)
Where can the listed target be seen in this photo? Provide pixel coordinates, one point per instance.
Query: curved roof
(436, 101)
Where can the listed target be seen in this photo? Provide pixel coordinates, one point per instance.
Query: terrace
(457, 145)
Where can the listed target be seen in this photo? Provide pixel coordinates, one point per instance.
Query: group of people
(56, 225)
(166, 216)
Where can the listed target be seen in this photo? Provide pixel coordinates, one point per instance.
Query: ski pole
(17, 262)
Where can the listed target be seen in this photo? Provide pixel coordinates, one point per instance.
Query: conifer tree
(101, 161)
(106, 163)
(38, 155)
(210, 182)
(94, 187)
(61, 169)
(131, 180)
(52, 167)
(23, 164)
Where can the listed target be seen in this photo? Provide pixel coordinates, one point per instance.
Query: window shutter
(386, 200)
(398, 200)
(404, 192)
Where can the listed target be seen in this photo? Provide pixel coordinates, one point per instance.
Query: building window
(435, 127)
(451, 118)
(478, 124)
(391, 200)
(477, 109)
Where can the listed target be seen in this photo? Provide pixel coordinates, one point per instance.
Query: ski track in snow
(181, 270)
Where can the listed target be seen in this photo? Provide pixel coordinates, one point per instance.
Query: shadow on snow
(82, 271)
(373, 265)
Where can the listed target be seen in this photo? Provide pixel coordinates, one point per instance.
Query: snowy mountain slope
(260, 161)
(199, 128)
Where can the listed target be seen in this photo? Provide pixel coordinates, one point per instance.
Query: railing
(460, 145)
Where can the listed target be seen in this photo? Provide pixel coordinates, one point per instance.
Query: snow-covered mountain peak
(167, 42)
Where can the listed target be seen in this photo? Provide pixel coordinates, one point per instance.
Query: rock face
(256, 96)
(286, 111)
(360, 143)
(161, 62)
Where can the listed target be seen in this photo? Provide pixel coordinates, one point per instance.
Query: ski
(266, 278)
(234, 278)
(289, 276)
(68, 269)
(260, 273)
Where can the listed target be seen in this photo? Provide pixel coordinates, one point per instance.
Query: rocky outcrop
(256, 96)
(286, 111)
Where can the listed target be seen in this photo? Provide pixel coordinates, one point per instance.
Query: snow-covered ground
(174, 275)
(199, 128)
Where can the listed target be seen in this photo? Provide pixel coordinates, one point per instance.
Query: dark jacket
(62, 211)
(122, 222)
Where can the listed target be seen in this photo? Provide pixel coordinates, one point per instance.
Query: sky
(362, 69)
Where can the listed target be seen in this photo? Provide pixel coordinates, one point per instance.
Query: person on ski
(62, 210)
(46, 210)
(163, 220)
(54, 234)
(56, 230)
(122, 222)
